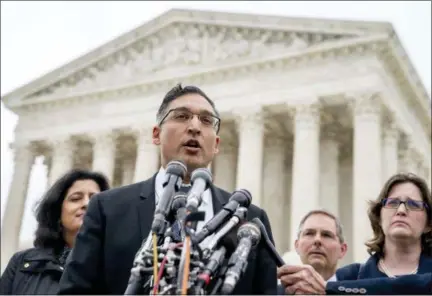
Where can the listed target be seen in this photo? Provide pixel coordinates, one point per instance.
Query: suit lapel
(146, 206)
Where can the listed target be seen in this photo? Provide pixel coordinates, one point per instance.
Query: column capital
(22, 149)
(391, 132)
(306, 115)
(247, 116)
(365, 103)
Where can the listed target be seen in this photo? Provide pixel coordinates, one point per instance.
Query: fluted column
(250, 154)
(225, 167)
(147, 160)
(104, 149)
(274, 188)
(367, 167)
(390, 151)
(305, 183)
(329, 170)
(13, 214)
(63, 150)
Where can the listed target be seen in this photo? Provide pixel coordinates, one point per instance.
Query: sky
(37, 37)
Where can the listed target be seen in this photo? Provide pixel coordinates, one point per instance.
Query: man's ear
(216, 148)
(156, 135)
(296, 246)
(344, 249)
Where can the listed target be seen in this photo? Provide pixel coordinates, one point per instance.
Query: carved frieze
(181, 45)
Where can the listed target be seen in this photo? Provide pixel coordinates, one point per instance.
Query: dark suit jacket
(368, 279)
(116, 223)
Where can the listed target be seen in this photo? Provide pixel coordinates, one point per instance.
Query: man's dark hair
(49, 232)
(178, 91)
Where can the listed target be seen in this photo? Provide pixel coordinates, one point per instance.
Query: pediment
(182, 41)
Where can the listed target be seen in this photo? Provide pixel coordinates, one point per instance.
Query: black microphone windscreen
(243, 197)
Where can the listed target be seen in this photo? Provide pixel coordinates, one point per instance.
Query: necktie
(177, 227)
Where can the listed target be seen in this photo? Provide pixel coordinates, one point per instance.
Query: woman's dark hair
(48, 210)
(376, 244)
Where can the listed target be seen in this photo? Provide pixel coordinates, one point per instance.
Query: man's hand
(301, 279)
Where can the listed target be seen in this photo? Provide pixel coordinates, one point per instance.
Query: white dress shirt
(206, 204)
(333, 278)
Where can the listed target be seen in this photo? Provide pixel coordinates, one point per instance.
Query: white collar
(160, 178)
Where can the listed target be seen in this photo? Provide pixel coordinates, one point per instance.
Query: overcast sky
(37, 37)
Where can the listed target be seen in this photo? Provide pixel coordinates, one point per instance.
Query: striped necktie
(176, 226)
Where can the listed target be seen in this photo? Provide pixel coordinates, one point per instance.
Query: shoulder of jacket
(23, 254)
(127, 191)
(348, 272)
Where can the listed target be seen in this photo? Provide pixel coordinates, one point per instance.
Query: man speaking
(118, 220)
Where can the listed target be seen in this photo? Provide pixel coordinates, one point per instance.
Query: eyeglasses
(410, 204)
(182, 115)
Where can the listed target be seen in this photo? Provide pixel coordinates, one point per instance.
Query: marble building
(315, 113)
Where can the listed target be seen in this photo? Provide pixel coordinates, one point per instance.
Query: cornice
(323, 52)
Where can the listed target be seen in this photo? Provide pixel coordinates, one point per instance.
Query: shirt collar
(160, 178)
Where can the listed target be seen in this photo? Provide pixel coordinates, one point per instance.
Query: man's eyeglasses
(410, 204)
(185, 115)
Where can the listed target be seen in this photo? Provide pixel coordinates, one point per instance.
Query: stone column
(288, 244)
(305, 182)
(367, 168)
(250, 153)
(63, 150)
(225, 167)
(346, 200)
(13, 214)
(329, 170)
(147, 160)
(390, 151)
(104, 154)
(274, 188)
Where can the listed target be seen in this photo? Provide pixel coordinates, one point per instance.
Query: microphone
(200, 179)
(249, 236)
(240, 197)
(238, 216)
(175, 172)
(227, 246)
(178, 207)
(268, 245)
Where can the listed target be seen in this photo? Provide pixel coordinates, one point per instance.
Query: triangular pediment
(183, 40)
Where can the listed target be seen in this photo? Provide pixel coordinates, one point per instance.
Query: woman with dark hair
(401, 219)
(59, 215)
